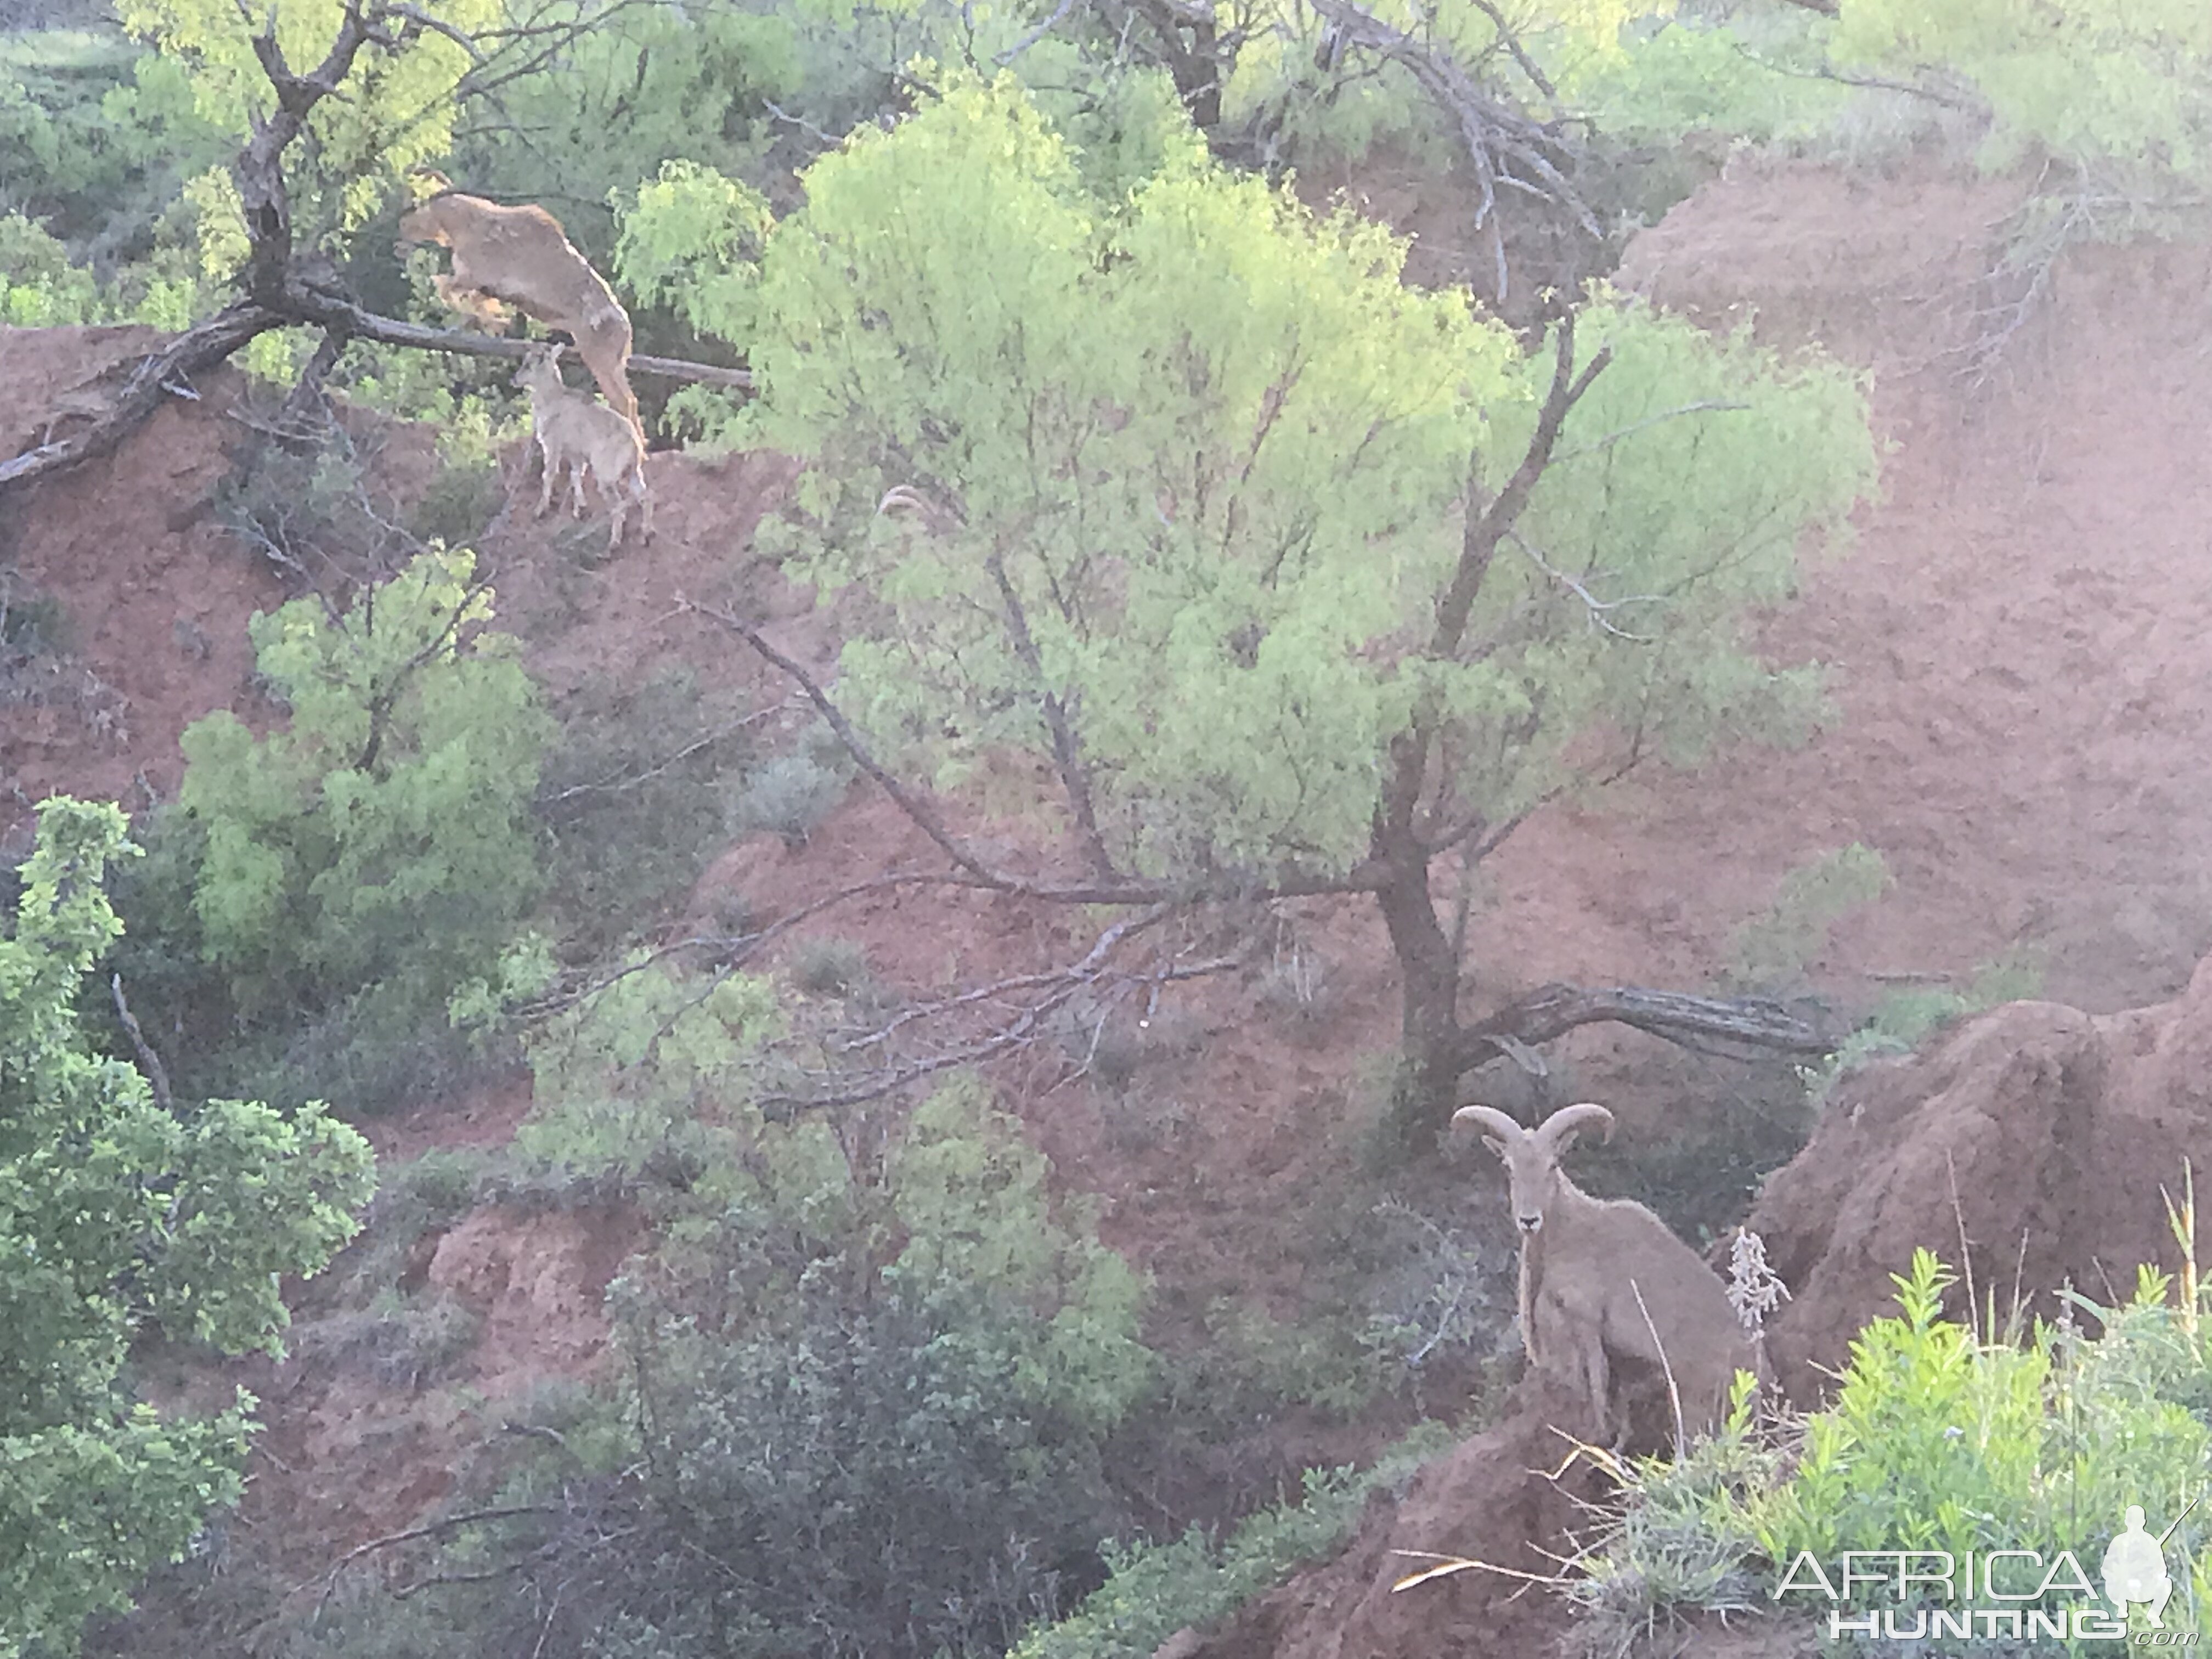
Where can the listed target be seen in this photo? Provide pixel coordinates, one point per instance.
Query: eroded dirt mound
(2042, 1134)
(1492, 1500)
(137, 591)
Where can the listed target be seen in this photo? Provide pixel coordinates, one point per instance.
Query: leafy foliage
(105, 133)
(116, 1215)
(1155, 1589)
(1906, 1016)
(1139, 421)
(1939, 1438)
(867, 1384)
(1772, 948)
(381, 836)
(2109, 82)
(400, 111)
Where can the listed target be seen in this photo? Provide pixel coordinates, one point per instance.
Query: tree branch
(195, 351)
(1485, 530)
(157, 1077)
(1547, 1014)
(1493, 134)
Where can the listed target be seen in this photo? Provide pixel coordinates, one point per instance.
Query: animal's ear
(426, 182)
(1495, 1145)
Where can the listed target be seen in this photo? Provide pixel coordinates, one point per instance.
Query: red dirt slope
(2042, 1134)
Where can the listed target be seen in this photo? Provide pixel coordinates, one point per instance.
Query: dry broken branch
(1504, 147)
(1759, 1024)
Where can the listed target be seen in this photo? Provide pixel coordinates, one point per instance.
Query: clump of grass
(829, 967)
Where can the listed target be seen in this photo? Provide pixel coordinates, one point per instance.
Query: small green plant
(792, 793)
(400, 1341)
(459, 503)
(1942, 1436)
(422, 1196)
(829, 967)
(1907, 1016)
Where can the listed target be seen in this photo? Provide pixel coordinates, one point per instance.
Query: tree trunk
(1427, 1085)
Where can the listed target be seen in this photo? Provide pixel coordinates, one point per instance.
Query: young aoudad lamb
(1584, 1261)
(576, 430)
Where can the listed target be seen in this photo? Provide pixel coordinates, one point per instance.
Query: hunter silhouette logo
(2134, 1567)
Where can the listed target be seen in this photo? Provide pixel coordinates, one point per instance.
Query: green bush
(792, 793)
(1940, 1437)
(863, 1401)
(1152, 1590)
(1770, 951)
(380, 837)
(1906, 1018)
(120, 1215)
(637, 796)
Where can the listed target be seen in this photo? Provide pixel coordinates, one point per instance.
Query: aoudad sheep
(1604, 1279)
(575, 430)
(520, 255)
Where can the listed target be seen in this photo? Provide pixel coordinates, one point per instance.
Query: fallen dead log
(1741, 1024)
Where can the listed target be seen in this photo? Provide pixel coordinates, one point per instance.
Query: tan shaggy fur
(575, 430)
(520, 255)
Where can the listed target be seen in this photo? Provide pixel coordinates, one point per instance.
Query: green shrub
(829, 967)
(1771, 951)
(1906, 1018)
(380, 837)
(864, 1401)
(1940, 1437)
(637, 796)
(792, 793)
(1152, 1590)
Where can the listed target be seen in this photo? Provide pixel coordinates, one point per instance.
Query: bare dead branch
(325, 306)
(1512, 41)
(1493, 135)
(1596, 610)
(1036, 35)
(1744, 1023)
(407, 1535)
(157, 1075)
(918, 811)
(1107, 941)
(193, 352)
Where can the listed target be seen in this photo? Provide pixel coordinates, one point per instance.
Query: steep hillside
(2021, 711)
(2020, 703)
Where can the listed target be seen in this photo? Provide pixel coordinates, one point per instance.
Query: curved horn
(1560, 1128)
(1491, 1122)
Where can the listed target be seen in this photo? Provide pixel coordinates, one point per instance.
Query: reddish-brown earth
(2022, 699)
(2037, 1145)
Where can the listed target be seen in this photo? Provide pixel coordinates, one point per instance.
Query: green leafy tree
(400, 102)
(1295, 579)
(2093, 81)
(117, 1216)
(382, 835)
